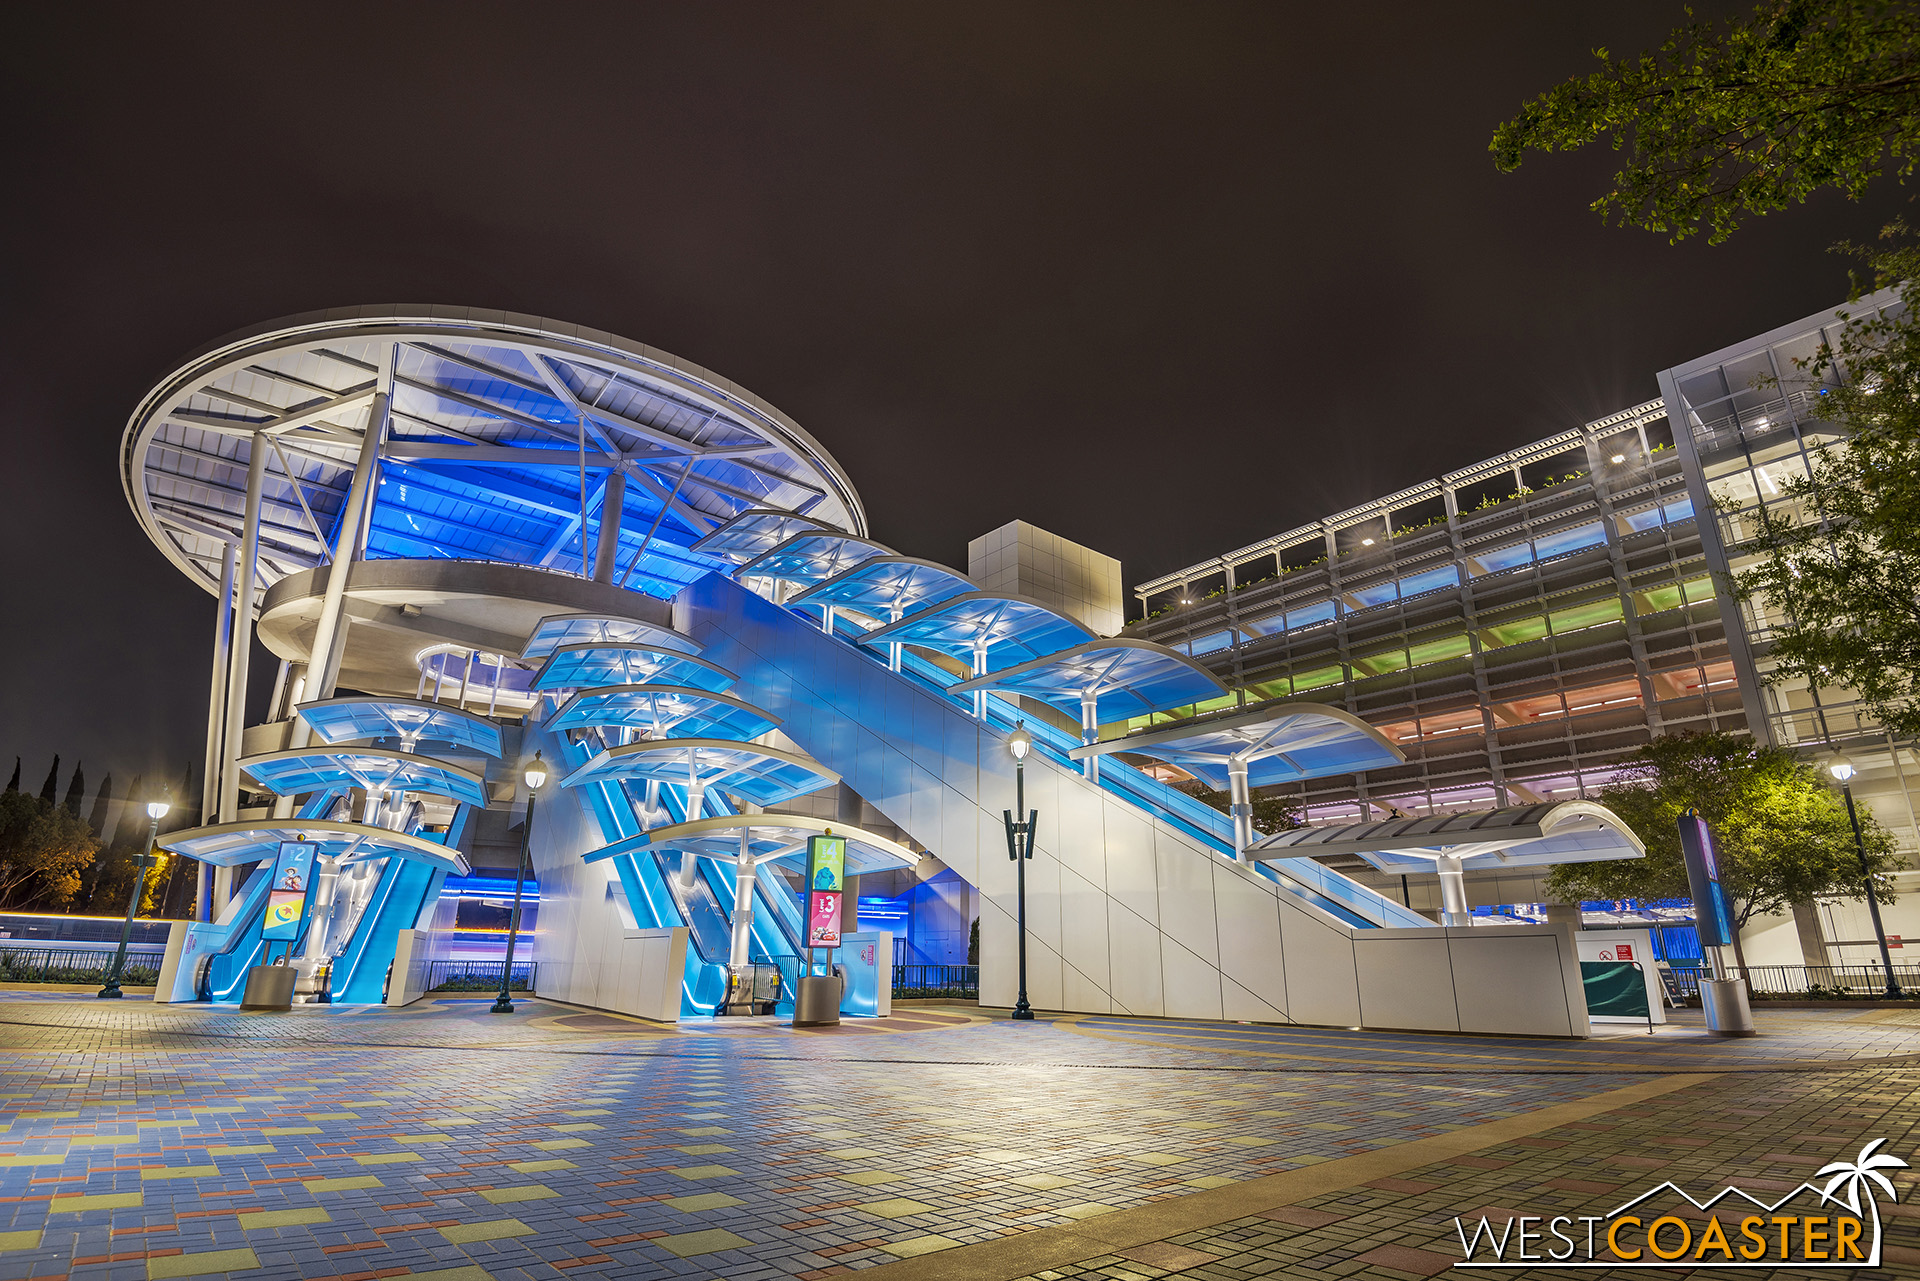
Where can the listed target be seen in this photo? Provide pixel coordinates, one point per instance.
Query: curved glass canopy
(1126, 677)
(664, 711)
(812, 558)
(589, 666)
(557, 630)
(764, 775)
(491, 419)
(753, 532)
(1280, 743)
(302, 770)
(1517, 836)
(771, 838)
(1007, 629)
(355, 717)
(887, 588)
(230, 844)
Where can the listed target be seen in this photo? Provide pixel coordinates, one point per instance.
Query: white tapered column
(980, 669)
(216, 727)
(742, 900)
(1453, 891)
(1090, 732)
(1241, 797)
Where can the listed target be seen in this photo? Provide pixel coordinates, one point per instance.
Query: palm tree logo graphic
(1850, 1178)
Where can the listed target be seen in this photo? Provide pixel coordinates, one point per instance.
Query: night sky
(1161, 279)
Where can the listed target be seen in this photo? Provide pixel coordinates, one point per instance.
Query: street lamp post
(1842, 770)
(534, 775)
(156, 810)
(1020, 848)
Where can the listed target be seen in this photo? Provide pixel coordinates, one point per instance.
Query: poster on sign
(287, 893)
(823, 918)
(826, 880)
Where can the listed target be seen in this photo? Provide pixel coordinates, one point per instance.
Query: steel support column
(612, 507)
(1241, 797)
(1090, 734)
(1453, 891)
(216, 726)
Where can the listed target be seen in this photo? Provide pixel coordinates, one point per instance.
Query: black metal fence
(1812, 982)
(78, 965)
(476, 976)
(956, 982)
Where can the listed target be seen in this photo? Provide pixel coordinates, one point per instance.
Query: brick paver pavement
(148, 1142)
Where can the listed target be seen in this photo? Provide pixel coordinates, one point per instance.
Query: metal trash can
(817, 1002)
(1725, 1001)
(269, 987)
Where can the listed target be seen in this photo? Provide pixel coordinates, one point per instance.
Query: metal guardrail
(476, 976)
(77, 965)
(1810, 982)
(927, 981)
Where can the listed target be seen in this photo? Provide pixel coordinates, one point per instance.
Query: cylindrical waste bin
(816, 1003)
(269, 987)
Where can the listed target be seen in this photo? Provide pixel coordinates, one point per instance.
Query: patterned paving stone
(332, 1143)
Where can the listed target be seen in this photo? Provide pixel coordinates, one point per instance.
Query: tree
(13, 784)
(1840, 557)
(1270, 813)
(42, 849)
(102, 805)
(77, 789)
(1781, 832)
(51, 788)
(1718, 125)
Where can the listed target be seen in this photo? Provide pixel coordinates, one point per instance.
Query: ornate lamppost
(156, 810)
(1020, 848)
(534, 776)
(1842, 770)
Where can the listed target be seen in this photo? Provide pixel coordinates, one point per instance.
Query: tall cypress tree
(77, 789)
(102, 807)
(128, 831)
(51, 788)
(13, 784)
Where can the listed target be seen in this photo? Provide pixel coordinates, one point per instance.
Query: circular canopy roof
(484, 449)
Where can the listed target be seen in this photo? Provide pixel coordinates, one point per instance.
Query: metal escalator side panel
(404, 885)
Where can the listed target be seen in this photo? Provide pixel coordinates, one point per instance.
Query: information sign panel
(287, 894)
(1710, 909)
(826, 881)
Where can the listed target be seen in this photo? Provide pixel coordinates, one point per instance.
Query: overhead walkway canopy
(810, 558)
(557, 630)
(230, 844)
(753, 532)
(664, 711)
(590, 666)
(299, 771)
(888, 588)
(1451, 844)
(764, 775)
(352, 718)
(985, 628)
(1275, 743)
(1131, 677)
(770, 838)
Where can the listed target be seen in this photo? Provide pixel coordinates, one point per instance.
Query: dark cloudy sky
(1161, 278)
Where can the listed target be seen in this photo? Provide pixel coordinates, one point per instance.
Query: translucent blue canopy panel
(312, 769)
(500, 438)
(357, 717)
(1517, 836)
(559, 630)
(664, 711)
(753, 532)
(812, 558)
(1281, 743)
(589, 666)
(764, 775)
(229, 844)
(888, 588)
(1125, 678)
(771, 838)
(1009, 629)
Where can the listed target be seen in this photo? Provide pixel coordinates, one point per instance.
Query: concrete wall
(1125, 914)
(1078, 581)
